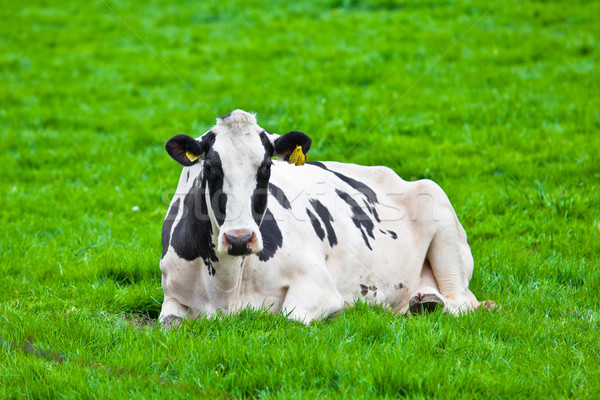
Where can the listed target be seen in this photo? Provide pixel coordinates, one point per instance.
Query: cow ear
(184, 149)
(285, 144)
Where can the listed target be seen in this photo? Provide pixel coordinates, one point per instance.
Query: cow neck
(225, 275)
(225, 284)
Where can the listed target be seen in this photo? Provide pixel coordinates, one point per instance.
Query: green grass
(507, 122)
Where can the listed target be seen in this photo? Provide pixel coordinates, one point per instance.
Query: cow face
(236, 159)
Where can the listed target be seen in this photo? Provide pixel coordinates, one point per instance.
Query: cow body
(331, 233)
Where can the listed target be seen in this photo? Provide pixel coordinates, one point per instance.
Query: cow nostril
(238, 240)
(238, 245)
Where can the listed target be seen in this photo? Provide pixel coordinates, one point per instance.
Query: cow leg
(306, 301)
(427, 297)
(172, 313)
(452, 265)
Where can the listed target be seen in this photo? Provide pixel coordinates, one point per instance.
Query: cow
(247, 230)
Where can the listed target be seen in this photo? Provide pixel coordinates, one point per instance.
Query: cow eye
(207, 169)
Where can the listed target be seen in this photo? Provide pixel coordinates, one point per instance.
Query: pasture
(498, 102)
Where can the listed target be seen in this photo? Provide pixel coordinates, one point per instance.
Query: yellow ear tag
(191, 156)
(298, 157)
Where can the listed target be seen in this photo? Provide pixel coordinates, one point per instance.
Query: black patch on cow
(209, 266)
(213, 173)
(316, 224)
(187, 177)
(326, 217)
(359, 217)
(286, 144)
(224, 117)
(167, 225)
(383, 232)
(271, 236)
(207, 140)
(318, 164)
(280, 196)
(393, 234)
(364, 289)
(359, 186)
(263, 174)
(192, 236)
(261, 192)
(399, 286)
(372, 210)
(266, 142)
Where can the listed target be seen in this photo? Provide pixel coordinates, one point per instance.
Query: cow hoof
(424, 302)
(170, 322)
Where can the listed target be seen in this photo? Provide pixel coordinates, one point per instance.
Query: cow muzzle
(240, 242)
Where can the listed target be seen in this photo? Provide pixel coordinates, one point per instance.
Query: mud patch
(140, 322)
(29, 347)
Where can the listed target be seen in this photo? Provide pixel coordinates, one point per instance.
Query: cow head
(235, 157)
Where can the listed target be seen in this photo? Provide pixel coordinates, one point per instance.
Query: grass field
(501, 109)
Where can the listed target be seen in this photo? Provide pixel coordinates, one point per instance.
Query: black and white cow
(244, 230)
